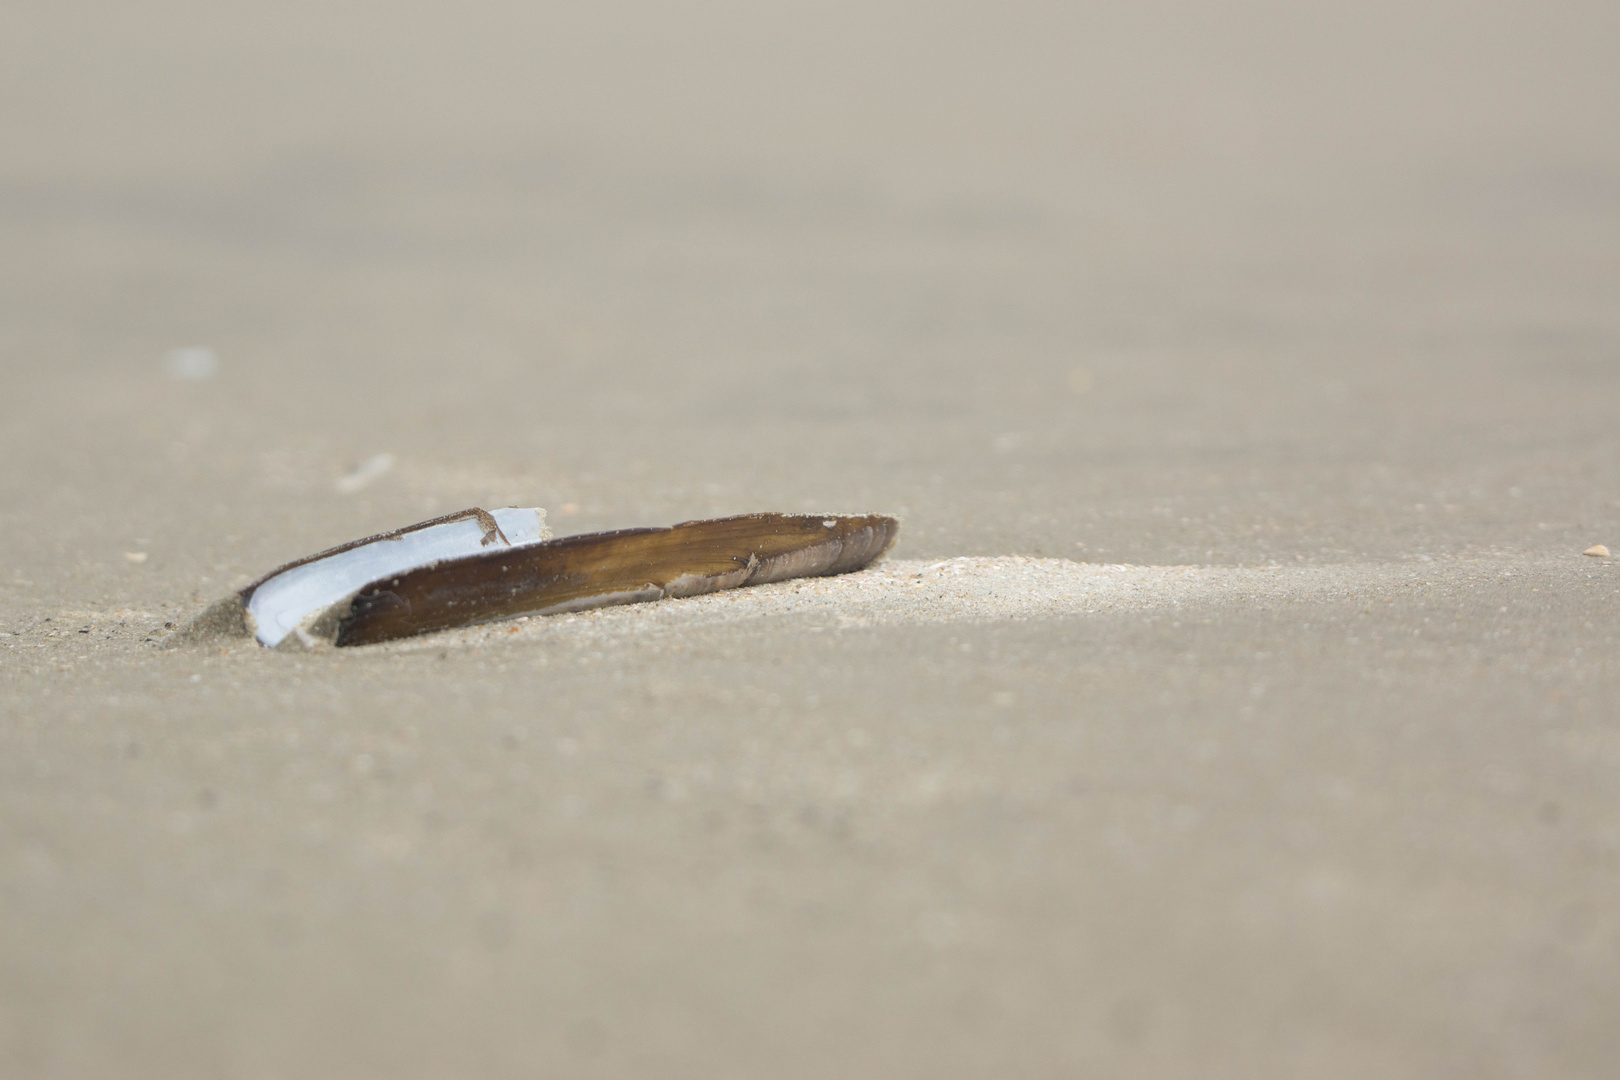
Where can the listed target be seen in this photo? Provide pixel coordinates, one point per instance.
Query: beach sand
(1236, 702)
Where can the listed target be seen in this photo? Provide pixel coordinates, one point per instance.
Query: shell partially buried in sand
(480, 566)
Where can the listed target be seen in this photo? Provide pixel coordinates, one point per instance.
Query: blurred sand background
(1322, 300)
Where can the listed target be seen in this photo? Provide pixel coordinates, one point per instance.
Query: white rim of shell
(290, 601)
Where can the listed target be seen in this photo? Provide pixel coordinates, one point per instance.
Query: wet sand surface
(1237, 700)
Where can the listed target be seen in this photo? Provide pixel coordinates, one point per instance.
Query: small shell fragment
(1597, 551)
(364, 473)
(479, 566)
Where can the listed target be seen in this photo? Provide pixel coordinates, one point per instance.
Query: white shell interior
(285, 602)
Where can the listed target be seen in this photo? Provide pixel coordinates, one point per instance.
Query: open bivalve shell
(479, 566)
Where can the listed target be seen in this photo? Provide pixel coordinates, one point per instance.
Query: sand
(1237, 701)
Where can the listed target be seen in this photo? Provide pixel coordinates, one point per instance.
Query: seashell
(480, 566)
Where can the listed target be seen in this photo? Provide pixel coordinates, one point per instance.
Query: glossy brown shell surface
(627, 566)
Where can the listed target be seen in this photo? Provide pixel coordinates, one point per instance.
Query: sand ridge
(987, 589)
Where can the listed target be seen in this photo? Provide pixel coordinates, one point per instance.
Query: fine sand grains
(966, 589)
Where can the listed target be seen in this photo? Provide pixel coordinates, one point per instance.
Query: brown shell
(624, 567)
